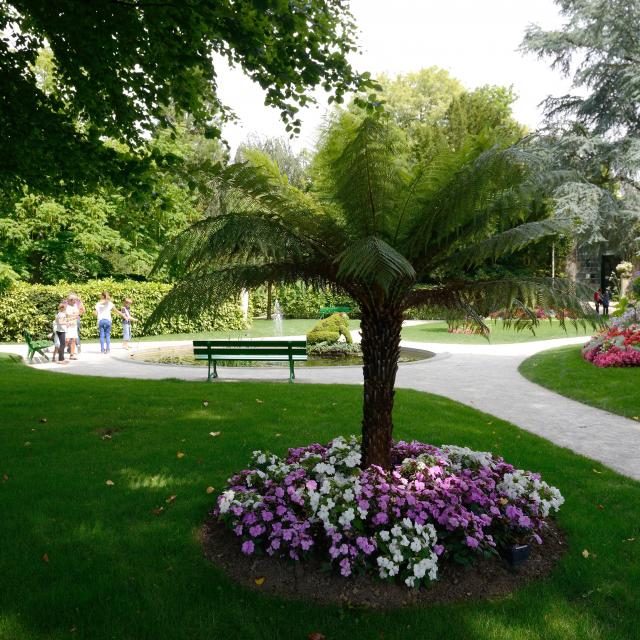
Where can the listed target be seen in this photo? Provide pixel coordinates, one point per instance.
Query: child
(59, 332)
(127, 319)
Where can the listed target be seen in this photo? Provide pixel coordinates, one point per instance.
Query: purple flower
(248, 547)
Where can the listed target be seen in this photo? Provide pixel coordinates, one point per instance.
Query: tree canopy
(598, 129)
(375, 224)
(117, 64)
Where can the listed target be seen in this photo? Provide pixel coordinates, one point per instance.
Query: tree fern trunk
(380, 351)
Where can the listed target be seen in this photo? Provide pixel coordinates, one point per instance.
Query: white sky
(475, 40)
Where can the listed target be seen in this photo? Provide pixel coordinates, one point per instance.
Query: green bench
(327, 311)
(214, 351)
(36, 346)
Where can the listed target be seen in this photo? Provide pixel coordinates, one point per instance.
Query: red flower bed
(616, 347)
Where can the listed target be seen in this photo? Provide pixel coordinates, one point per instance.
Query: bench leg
(30, 354)
(43, 354)
(292, 375)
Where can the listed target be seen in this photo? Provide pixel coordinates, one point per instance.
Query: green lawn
(258, 329)
(115, 570)
(566, 372)
(437, 332)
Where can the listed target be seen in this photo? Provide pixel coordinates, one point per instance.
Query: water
(277, 319)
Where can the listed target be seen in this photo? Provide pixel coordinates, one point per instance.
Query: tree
(598, 131)
(117, 65)
(374, 226)
(291, 164)
(435, 111)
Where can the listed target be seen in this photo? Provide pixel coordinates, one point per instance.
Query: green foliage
(33, 307)
(436, 112)
(290, 164)
(116, 66)
(597, 131)
(330, 329)
(111, 231)
(377, 223)
(334, 349)
(298, 300)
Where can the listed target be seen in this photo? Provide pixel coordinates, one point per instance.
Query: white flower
(384, 535)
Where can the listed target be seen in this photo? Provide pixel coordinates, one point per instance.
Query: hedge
(300, 300)
(33, 307)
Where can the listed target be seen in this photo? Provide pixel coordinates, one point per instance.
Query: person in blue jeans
(103, 312)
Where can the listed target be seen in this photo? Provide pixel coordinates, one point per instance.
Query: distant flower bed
(619, 346)
(436, 502)
(541, 314)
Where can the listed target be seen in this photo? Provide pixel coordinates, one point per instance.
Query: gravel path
(484, 377)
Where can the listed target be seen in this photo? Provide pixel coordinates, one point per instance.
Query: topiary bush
(330, 329)
(33, 307)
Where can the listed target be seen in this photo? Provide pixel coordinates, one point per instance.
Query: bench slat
(298, 358)
(243, 351)
(250, 343)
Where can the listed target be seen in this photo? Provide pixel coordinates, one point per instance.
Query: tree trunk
(380, 351)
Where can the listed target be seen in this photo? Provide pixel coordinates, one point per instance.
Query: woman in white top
(103, 311)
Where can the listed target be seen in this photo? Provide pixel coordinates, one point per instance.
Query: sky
(475, 40)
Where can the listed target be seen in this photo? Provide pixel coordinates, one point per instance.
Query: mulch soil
(311, 581)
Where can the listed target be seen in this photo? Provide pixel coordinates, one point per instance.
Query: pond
(184, 356)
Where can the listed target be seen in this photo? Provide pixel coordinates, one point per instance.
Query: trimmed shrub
(330, 329)
(33, 307)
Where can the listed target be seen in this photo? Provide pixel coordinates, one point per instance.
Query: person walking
(605, 302)
(597, 299)
(127, 319)
(60, 330)
(103, 310)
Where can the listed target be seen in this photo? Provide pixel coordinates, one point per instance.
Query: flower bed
(436, 502)
(619, 346)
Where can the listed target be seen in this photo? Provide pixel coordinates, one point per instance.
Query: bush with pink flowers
(435, 502)
(619, 345)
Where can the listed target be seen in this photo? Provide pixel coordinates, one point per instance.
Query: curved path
(484, 377)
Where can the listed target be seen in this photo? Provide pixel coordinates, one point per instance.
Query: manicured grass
(115, 570)
(259, 329)
(565, 371)
(437, 332)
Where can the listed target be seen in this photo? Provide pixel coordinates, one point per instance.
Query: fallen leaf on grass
(45, 557)
(600, 506)
(278, 435)
(585, 553)
(316, 635)
(106, 436)
(214, 434)
(259, 401)
(209, 489)
(158, 512)
(628, 540)
(5, 477)
(636, 418)
(109, 483)
(205, 403)
(260, 581)
(596, 471)
(43, 420)
(27, 444)
(171, 499)
(180, 454)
